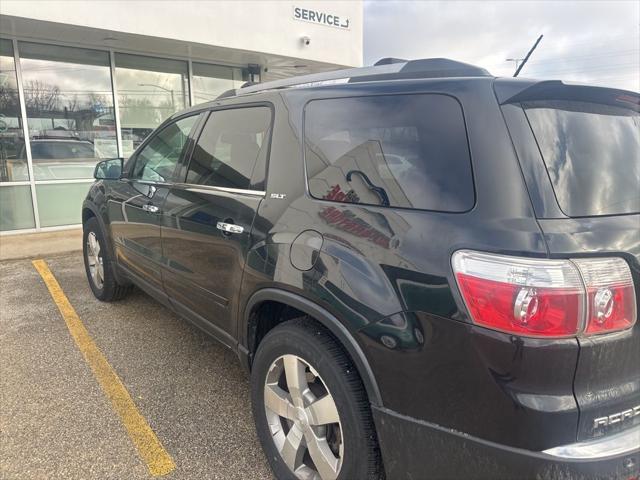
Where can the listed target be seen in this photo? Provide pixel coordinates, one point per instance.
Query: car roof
(385, 70)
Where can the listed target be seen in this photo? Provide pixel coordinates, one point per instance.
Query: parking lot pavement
(55, 421)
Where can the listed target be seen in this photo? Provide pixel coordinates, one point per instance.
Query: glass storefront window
(61, 203)
(70, 114)
(149, 90)
(13, 161)
(209, 81)
(16, 209)
(69, 102)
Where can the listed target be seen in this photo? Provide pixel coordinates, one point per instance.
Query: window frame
(401, 93)
(251, 189)
(133, 160)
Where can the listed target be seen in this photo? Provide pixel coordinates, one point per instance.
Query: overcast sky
(584, 41)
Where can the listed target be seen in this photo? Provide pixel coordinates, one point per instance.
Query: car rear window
(592, 154)
(408, 151)
(55, 149)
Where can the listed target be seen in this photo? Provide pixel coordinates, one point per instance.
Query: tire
(302, 345)
(97, 257)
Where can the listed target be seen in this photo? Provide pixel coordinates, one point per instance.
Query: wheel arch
(326, 319)
(90, 210)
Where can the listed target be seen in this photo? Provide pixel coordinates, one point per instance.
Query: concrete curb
(46, 244)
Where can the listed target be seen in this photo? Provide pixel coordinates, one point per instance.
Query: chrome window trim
(617, 444)
(213, 189)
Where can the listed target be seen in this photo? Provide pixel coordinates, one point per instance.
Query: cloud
(595, 42)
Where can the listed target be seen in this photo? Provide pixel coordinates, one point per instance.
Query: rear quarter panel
(399, 283)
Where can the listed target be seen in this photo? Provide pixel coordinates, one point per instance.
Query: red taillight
(610, 294)
(547, 298)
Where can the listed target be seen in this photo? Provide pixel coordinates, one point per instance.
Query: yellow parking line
(158, 461)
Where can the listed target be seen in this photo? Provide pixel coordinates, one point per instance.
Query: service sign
(321, 18)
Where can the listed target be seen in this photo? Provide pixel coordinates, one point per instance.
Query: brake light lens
(546, 298)
(519, 295)
(610, 294)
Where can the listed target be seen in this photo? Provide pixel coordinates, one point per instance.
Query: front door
(135, 206)
(207, 220)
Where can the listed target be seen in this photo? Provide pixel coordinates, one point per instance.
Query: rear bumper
(415, 449)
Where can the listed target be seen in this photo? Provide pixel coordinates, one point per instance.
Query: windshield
(592, 155)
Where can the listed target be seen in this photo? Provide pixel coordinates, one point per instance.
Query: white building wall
(265, 26)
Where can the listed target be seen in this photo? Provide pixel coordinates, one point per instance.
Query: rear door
(207, 221)
(580, 152)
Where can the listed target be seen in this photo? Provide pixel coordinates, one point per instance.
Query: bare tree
(9, 102)
(41, 96)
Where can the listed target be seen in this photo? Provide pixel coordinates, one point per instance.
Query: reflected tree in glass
(70, 114)
(149, 91)
(13, 164)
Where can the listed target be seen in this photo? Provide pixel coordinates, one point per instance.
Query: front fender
(101, 216)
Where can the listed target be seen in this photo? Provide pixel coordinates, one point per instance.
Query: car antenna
(528, 55)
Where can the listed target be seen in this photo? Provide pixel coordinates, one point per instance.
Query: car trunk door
(579, 150)
(607, 379)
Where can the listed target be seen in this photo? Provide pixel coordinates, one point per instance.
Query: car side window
(407, 151)
(230, 145)
(157, 161)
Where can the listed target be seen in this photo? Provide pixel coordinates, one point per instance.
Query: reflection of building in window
(406, 151)
(369, 159)
(67, 95)
(12, 167)
(229, 148)
(149, 91)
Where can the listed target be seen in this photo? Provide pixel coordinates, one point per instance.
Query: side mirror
(110, 169)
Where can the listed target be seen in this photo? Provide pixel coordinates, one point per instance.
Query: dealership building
(84, 81)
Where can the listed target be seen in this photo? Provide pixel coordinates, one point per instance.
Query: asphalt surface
(55, 421)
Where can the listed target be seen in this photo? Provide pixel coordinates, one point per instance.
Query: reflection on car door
(135, 207)
(207, 220)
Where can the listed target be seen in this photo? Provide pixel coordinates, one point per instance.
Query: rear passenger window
(230, 145)
(406, 151)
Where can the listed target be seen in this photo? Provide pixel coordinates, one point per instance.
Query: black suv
(430, 272)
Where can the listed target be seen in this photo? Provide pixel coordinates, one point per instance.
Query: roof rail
(391, 69)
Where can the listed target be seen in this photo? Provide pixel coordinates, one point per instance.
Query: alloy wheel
(94, 260)
(303, 419)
